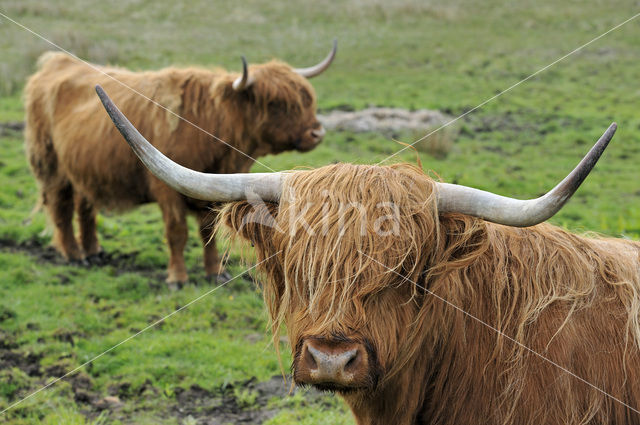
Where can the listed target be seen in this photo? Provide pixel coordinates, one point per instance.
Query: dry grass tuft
(439, 144)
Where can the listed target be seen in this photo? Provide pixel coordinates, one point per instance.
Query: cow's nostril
(311, 360)
(318, 133)
(352, 361)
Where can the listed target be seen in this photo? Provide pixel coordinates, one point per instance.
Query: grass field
(212, 362)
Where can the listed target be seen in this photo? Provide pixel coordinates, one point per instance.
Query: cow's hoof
(82, 262)
(220, 278)
(175, 286)
(97, 259)
(178, 278)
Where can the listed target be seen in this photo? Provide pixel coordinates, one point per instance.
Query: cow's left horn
(318, 69)
(514, 212)
(208, 187)
(243, 81)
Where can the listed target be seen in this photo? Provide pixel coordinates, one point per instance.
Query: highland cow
(216, 122)
(458, 307)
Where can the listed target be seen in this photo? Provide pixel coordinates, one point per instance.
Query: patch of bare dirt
(225, 406)
(12, 357)
(123, 262)
(11, 127)
(387, 121)
(504, 122)
(248, 402)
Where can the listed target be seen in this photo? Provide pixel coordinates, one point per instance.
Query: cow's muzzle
(334, 365)
(312, 137)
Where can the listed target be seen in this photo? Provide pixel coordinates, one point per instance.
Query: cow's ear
(464, 239)
(240, 97)
(254, 222)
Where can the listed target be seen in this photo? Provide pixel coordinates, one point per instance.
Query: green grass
(408, 54)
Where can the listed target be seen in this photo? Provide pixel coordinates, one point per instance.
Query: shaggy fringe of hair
(567, 297)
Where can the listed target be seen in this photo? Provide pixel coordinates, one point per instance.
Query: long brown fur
(81, 160)
(572, 299)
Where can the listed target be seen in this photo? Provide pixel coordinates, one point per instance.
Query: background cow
(80, 162)
(418, 312)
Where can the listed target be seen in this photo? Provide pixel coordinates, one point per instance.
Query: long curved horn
(244, 80)
(318, 69)
(208, 187)
(514, 212)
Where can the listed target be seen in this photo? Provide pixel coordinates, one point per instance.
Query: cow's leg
(175, 222)
(87, 223)
(59, 203)
(56, 192)
(212, 265)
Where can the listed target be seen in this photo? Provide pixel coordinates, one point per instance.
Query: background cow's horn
(243, 81)
(312, 71)
(514, 212)
(208, 187)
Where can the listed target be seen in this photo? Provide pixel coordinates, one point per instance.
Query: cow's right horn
(208, 187)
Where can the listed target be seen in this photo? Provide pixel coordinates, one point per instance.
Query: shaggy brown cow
(395, 295)
(78, 157)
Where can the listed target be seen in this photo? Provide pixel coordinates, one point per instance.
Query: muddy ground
(22, 372)
(11, 126)
(121, 262)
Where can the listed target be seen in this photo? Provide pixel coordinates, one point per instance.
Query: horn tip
(334, 49)
(610, 131)
(104, 98)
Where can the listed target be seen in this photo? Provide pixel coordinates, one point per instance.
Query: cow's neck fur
(234, 147)
(572, 300)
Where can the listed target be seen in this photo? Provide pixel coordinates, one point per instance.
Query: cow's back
(69, 135)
